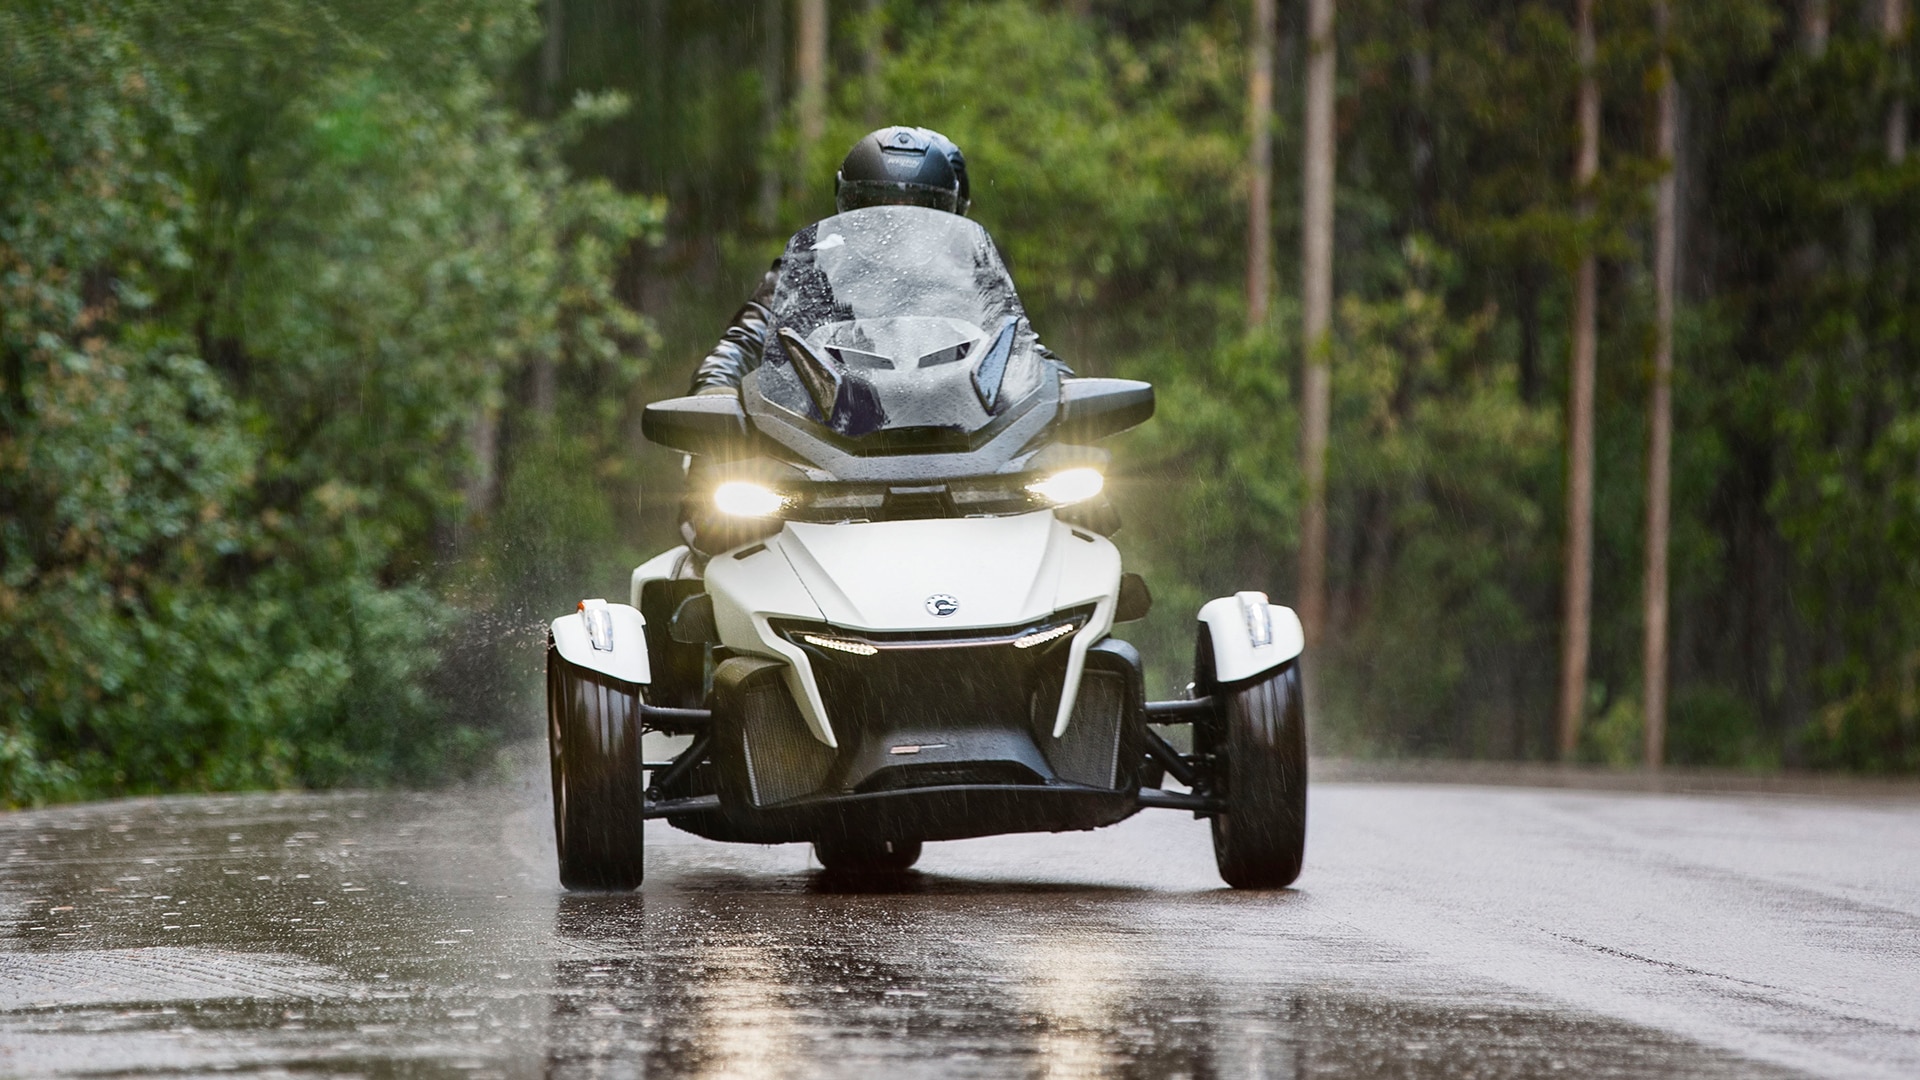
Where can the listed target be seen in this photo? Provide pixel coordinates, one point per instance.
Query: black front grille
(929, 688)
(926, 709)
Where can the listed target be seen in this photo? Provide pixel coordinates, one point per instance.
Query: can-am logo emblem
(940, 605)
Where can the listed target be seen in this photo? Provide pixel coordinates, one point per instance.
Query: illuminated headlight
(857, 648)
(743, 499)
(1069, 486)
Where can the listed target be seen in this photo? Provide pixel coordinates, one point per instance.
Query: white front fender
(624, 636)
(1233, 623)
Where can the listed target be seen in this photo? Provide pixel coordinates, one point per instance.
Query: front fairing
(988, 573)
(899, 351)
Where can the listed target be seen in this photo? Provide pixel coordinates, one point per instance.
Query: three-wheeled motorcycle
(893, 621)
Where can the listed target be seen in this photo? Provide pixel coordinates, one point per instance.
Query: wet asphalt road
(1437, 931)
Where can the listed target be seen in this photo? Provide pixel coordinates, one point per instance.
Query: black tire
(593, 741)
(1258, 747)
(849, 856)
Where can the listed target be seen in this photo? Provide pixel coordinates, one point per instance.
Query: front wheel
(593, 742)
(1258, 746)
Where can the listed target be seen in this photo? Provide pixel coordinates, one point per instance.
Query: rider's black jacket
(745, 341)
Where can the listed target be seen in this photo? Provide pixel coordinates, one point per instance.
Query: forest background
(325, 326)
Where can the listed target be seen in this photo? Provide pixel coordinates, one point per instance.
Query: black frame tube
(675, 721)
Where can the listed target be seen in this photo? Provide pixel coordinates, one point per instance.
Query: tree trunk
(483, 442)
(1259, 162)
(773, 51)
(810, 85)
(1815, 26)
(1575, 633)
(552, 48)
(1316, 287)
(871, 57)
(1420, 151)
(1660, 409)
(1893, 28)
(552, 58)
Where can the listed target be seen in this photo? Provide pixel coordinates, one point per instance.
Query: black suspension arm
(1179, 800)
(1179, 712)
(659, 808)
(1163, 752)
(691, 756)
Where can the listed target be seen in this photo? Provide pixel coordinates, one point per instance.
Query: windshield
(897, 331)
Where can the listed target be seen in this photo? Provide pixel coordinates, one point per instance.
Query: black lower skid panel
(951, 812)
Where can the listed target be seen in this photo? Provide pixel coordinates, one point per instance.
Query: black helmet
(903, 166)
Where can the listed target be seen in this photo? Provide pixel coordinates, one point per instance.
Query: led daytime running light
(857, 648)
(1041, 637)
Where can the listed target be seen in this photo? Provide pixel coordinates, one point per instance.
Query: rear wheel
(849, 856)
(1258, 746)
(593, 742)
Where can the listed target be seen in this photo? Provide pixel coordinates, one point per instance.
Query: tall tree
(1660, 409)
(1577, 613)
(1316, 289)
(1420, 151)
(1259, 162)
(773, 48)
(810, 82)
(1893, 28)
(872, 52)
(1816, 24)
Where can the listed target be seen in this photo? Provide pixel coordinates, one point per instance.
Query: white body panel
(1235, 656)
(665, 565)
(752, 586)
(880, 576)
(627, 660)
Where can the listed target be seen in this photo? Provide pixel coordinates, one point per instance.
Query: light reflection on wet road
(1437, 931)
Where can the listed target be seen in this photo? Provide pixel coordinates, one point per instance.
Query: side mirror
(712, 424)
(1095, 408)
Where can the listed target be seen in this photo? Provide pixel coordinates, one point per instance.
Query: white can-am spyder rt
(903, 631)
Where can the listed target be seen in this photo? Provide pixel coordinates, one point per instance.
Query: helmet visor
(856, 194)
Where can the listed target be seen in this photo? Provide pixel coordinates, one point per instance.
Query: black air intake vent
(1089, 753)
(784, 760)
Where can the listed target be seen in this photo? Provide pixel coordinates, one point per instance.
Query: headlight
(743, 499)
(1069, 486)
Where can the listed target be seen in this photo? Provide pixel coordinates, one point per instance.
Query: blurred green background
(325, 326)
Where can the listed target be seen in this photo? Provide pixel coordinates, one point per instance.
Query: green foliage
(319, 367)
(1435, 479)
(259, 302)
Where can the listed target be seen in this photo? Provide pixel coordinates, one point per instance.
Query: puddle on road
(406, 934)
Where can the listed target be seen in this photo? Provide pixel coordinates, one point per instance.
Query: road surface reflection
(424, 934)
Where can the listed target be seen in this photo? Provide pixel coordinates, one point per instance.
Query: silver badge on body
(940, 605)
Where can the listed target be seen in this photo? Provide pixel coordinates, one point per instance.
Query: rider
(894, 166)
